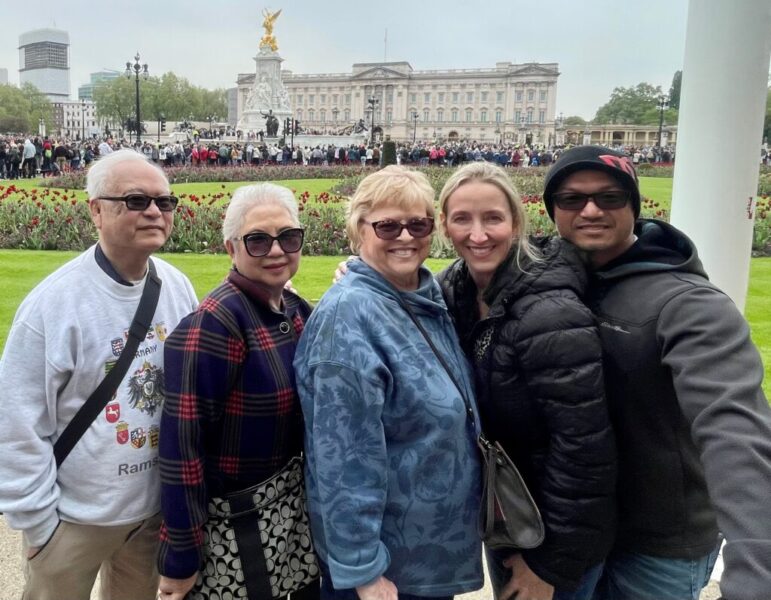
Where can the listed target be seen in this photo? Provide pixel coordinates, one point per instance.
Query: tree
(674, 90)
(574, 121)
(634, 106)
(169, 95)
(22, 108)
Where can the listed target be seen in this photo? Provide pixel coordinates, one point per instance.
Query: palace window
(469, 114)
(484, 96)
(311, 99)
(427, 97)
(541, 116)
(469, 97)
(542, 95)
(499, 97)
(441, 97)
(311, 115)
(455, 96)
(454, 115)
(498, 116)
(425, 114)
(530, 95)
(529, 115)
(440, 115)
(483, 116)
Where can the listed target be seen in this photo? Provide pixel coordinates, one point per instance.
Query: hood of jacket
(659, 247)
(426, 299)
(563, 266)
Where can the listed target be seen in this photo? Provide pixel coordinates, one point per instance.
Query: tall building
(86, 91)
(44, 61)
(510, 103)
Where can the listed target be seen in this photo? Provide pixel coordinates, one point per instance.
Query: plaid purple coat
(231, 417)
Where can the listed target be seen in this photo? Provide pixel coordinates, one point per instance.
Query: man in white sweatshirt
(98, 512)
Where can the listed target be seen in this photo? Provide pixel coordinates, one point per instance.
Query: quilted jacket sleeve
(558, 349)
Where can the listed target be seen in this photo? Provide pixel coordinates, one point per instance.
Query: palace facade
(512, 103)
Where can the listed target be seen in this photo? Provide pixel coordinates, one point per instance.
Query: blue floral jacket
(393, 473)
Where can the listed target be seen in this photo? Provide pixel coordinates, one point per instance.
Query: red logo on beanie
(619, 162)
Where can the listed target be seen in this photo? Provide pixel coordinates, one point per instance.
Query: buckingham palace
(510, 103)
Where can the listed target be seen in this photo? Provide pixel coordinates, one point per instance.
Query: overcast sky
(598, 44)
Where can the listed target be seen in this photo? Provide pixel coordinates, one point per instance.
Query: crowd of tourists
(30, 156)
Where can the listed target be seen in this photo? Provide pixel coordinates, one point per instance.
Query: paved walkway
(11, 579)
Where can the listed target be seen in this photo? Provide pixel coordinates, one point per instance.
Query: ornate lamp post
(557, 126)
(82, 119)
(373, 103)
(137, 68)
(662, 105)
(414, 116)
(522, 129)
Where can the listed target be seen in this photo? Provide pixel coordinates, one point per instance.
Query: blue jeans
(330, 593)
(629, 576)
(500, 576)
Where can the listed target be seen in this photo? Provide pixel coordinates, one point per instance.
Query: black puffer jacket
(538, 363)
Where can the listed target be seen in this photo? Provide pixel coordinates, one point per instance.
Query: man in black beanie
(683, 385)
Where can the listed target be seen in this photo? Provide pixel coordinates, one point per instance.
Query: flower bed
(49, 219)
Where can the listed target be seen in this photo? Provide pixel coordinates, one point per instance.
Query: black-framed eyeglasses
(609, 200)
(165, 203)
(388, 229)
(259, 244)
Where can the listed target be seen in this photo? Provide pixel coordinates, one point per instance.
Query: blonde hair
(485, 172)
(392, 186)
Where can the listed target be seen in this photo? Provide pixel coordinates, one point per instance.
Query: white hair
(247, 197)
(99, 175)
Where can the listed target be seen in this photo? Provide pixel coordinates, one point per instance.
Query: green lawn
(658, 189)
(21, 270)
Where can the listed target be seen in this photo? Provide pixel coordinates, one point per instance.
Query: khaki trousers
(67, 566)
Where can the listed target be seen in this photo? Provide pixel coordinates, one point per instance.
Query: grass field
(21, 270)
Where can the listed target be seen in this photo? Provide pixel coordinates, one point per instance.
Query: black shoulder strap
(99, 398)
(469, 410)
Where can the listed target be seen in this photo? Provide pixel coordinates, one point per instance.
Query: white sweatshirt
(66, 334)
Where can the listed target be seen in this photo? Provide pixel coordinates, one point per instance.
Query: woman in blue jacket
(393, 473)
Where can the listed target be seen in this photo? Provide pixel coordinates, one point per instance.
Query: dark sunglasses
(388, 229)
(604, 200)
(142, 201)
(259, 244)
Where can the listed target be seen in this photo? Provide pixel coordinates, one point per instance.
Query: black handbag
(257, 541)
(508, 517)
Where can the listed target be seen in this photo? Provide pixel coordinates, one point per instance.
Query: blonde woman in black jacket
(536, 352)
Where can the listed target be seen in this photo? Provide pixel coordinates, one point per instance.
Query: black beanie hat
(597, 158)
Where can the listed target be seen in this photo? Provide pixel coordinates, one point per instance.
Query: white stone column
(722, 106)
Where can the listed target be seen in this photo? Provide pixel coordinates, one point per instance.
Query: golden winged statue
(267, 24)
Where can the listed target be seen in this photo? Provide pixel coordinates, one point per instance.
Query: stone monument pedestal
(268, 97)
